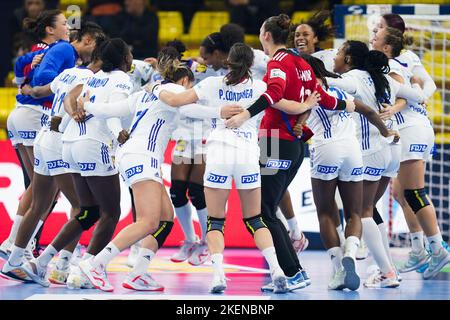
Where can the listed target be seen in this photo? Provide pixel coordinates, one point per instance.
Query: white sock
(372, 237)
(271, 258)
(217, 263)
(64, 259)
(417, 241)
(435, 242)
(15, 228)
(44, 259)
(143, 261)
(184, 216)
(351, 245)
(16, 256)
(87, 256)
(38, 226)
(106, 255)
(203, 218)
(341, 234)
(336, 254)
(385, 238)
(296, 233)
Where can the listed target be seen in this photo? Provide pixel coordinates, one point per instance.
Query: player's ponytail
(113, 54)
(278, 27)
(38, 26)
(239, 62)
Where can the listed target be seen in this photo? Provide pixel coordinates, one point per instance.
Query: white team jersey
(327, 56)
(328, 125)
(62, 85)
(141, 73)
(414, 113)
(409, 59)
(102, 87)
(217, 93)
(153, 122)
(259, 66)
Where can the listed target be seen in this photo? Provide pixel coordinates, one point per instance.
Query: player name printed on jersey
(304, 75)
(229, 95)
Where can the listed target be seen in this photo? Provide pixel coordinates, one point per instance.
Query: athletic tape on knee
(197, 195)
(254, 223)
(377, 217)
(163, 232)
(416, 198)
(178, 193)
(215, 224)
(88, 216)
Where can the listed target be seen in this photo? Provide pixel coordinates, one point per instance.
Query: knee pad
(377, 217)
(163, 232)
(254, 223)
(178, 193)
(197, 195)
(88, 216)
(215, 224)
(416, 198)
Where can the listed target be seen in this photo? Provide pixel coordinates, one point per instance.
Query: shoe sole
(11, 276)
(53, 281)
(351, 280)
(127, 286)
(177, 260)
(266, 289)
(36, 279)
(280, 285)
(218, 289)
(438, 269)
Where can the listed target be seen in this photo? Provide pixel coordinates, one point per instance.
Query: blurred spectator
(105, 7)
(307, 5)
(106, 13)
(139, 28)
(186, 7)
(251, 14)
(30, 9)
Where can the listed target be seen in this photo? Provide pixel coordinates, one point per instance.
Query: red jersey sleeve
(276, 82)
(326, 101)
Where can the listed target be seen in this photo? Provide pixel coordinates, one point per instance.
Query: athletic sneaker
(300, 244)
(37, 273)
(199, 253)
(351, 279)
(337, 282)
(279, 282)
(143, 282)
(5, 249)
(219, 284)
(185, 252)
(58, 276)
(16, 273)
(77, 280)
(437, 262)
(363, 251)
(133, 255)
(425, 266)
(380, 280)
(296, 281)
(97, 276)
(415, 261)
(29, 253)
(306, 277)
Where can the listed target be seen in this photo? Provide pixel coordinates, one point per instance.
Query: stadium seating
(7, 103)
(170, 26)
(204, 23)
(299, 16)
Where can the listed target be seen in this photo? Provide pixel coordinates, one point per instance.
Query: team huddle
(87, 115)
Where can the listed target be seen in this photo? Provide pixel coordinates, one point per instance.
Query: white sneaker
(362, 252)
(351, 278)
(37, 273)
(5, 249)
(143, 282)
(279, 281)
(437, 262)
(337, 282)
(28, 253)
(299, 244)
(219, 284)
(16, 273)
(97, 276)
(133, 255)
(199, 253)
(380, 280)
(59, 276)
(415, 261)
(77, 280)
(185, 252)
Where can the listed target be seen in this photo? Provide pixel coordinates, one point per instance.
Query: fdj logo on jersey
(326, 169)
(134, 170)
(250, 178)
(278, 164)
(27, 134)
(417, 147)
(216, 178)
(357, 171)
(373, 171)
(57, 164)
(86, 166)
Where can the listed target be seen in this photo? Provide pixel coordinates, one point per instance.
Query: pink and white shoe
(97, 276)
(300, 244)
(199, 254)
(143, 282)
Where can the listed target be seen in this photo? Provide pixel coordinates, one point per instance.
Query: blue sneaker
(306, 277)
(296, 282)
(425, 266)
